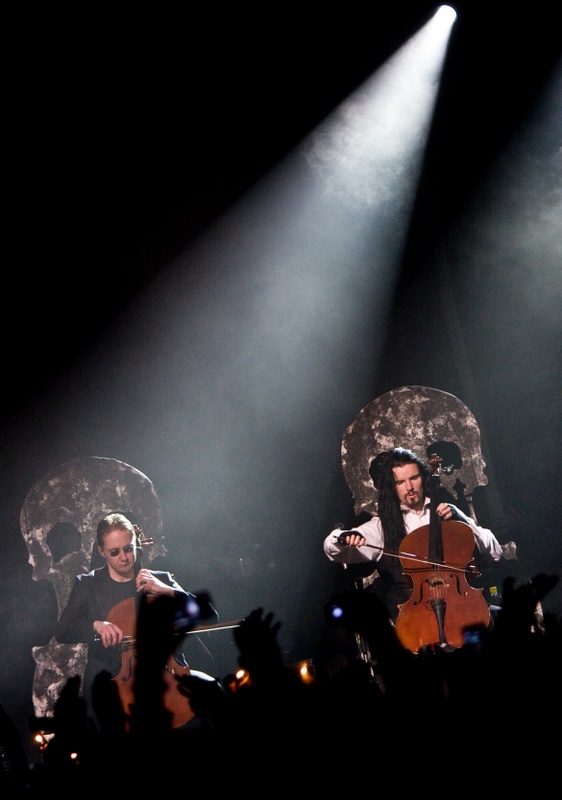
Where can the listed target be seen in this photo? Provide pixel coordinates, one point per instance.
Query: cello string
(453, 567)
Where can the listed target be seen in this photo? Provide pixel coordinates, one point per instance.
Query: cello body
(442, 603)
(175, 703)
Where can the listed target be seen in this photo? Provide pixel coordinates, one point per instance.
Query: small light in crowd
(42, 740)
(233, 682)
(306, 672)
(242, 678)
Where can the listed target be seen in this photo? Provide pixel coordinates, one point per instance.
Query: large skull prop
(74, 497)
(418, 418)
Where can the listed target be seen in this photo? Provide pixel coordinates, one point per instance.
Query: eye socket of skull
(62, 539)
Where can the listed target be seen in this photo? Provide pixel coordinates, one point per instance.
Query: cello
(175, 703)
(442, 603)
(125, 615)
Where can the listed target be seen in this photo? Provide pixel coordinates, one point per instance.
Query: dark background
(125, 137)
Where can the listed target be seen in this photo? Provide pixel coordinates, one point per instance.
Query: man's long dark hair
(391, 517)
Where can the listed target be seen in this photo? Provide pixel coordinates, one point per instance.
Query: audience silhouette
(474, 717)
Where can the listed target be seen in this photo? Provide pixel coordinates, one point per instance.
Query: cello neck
(435, 538)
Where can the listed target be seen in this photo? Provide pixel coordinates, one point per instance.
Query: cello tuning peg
(141, 538)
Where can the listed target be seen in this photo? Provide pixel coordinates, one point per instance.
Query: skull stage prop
(421, 419)
(74, 497)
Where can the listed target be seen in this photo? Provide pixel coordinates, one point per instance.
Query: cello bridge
(436, 581)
